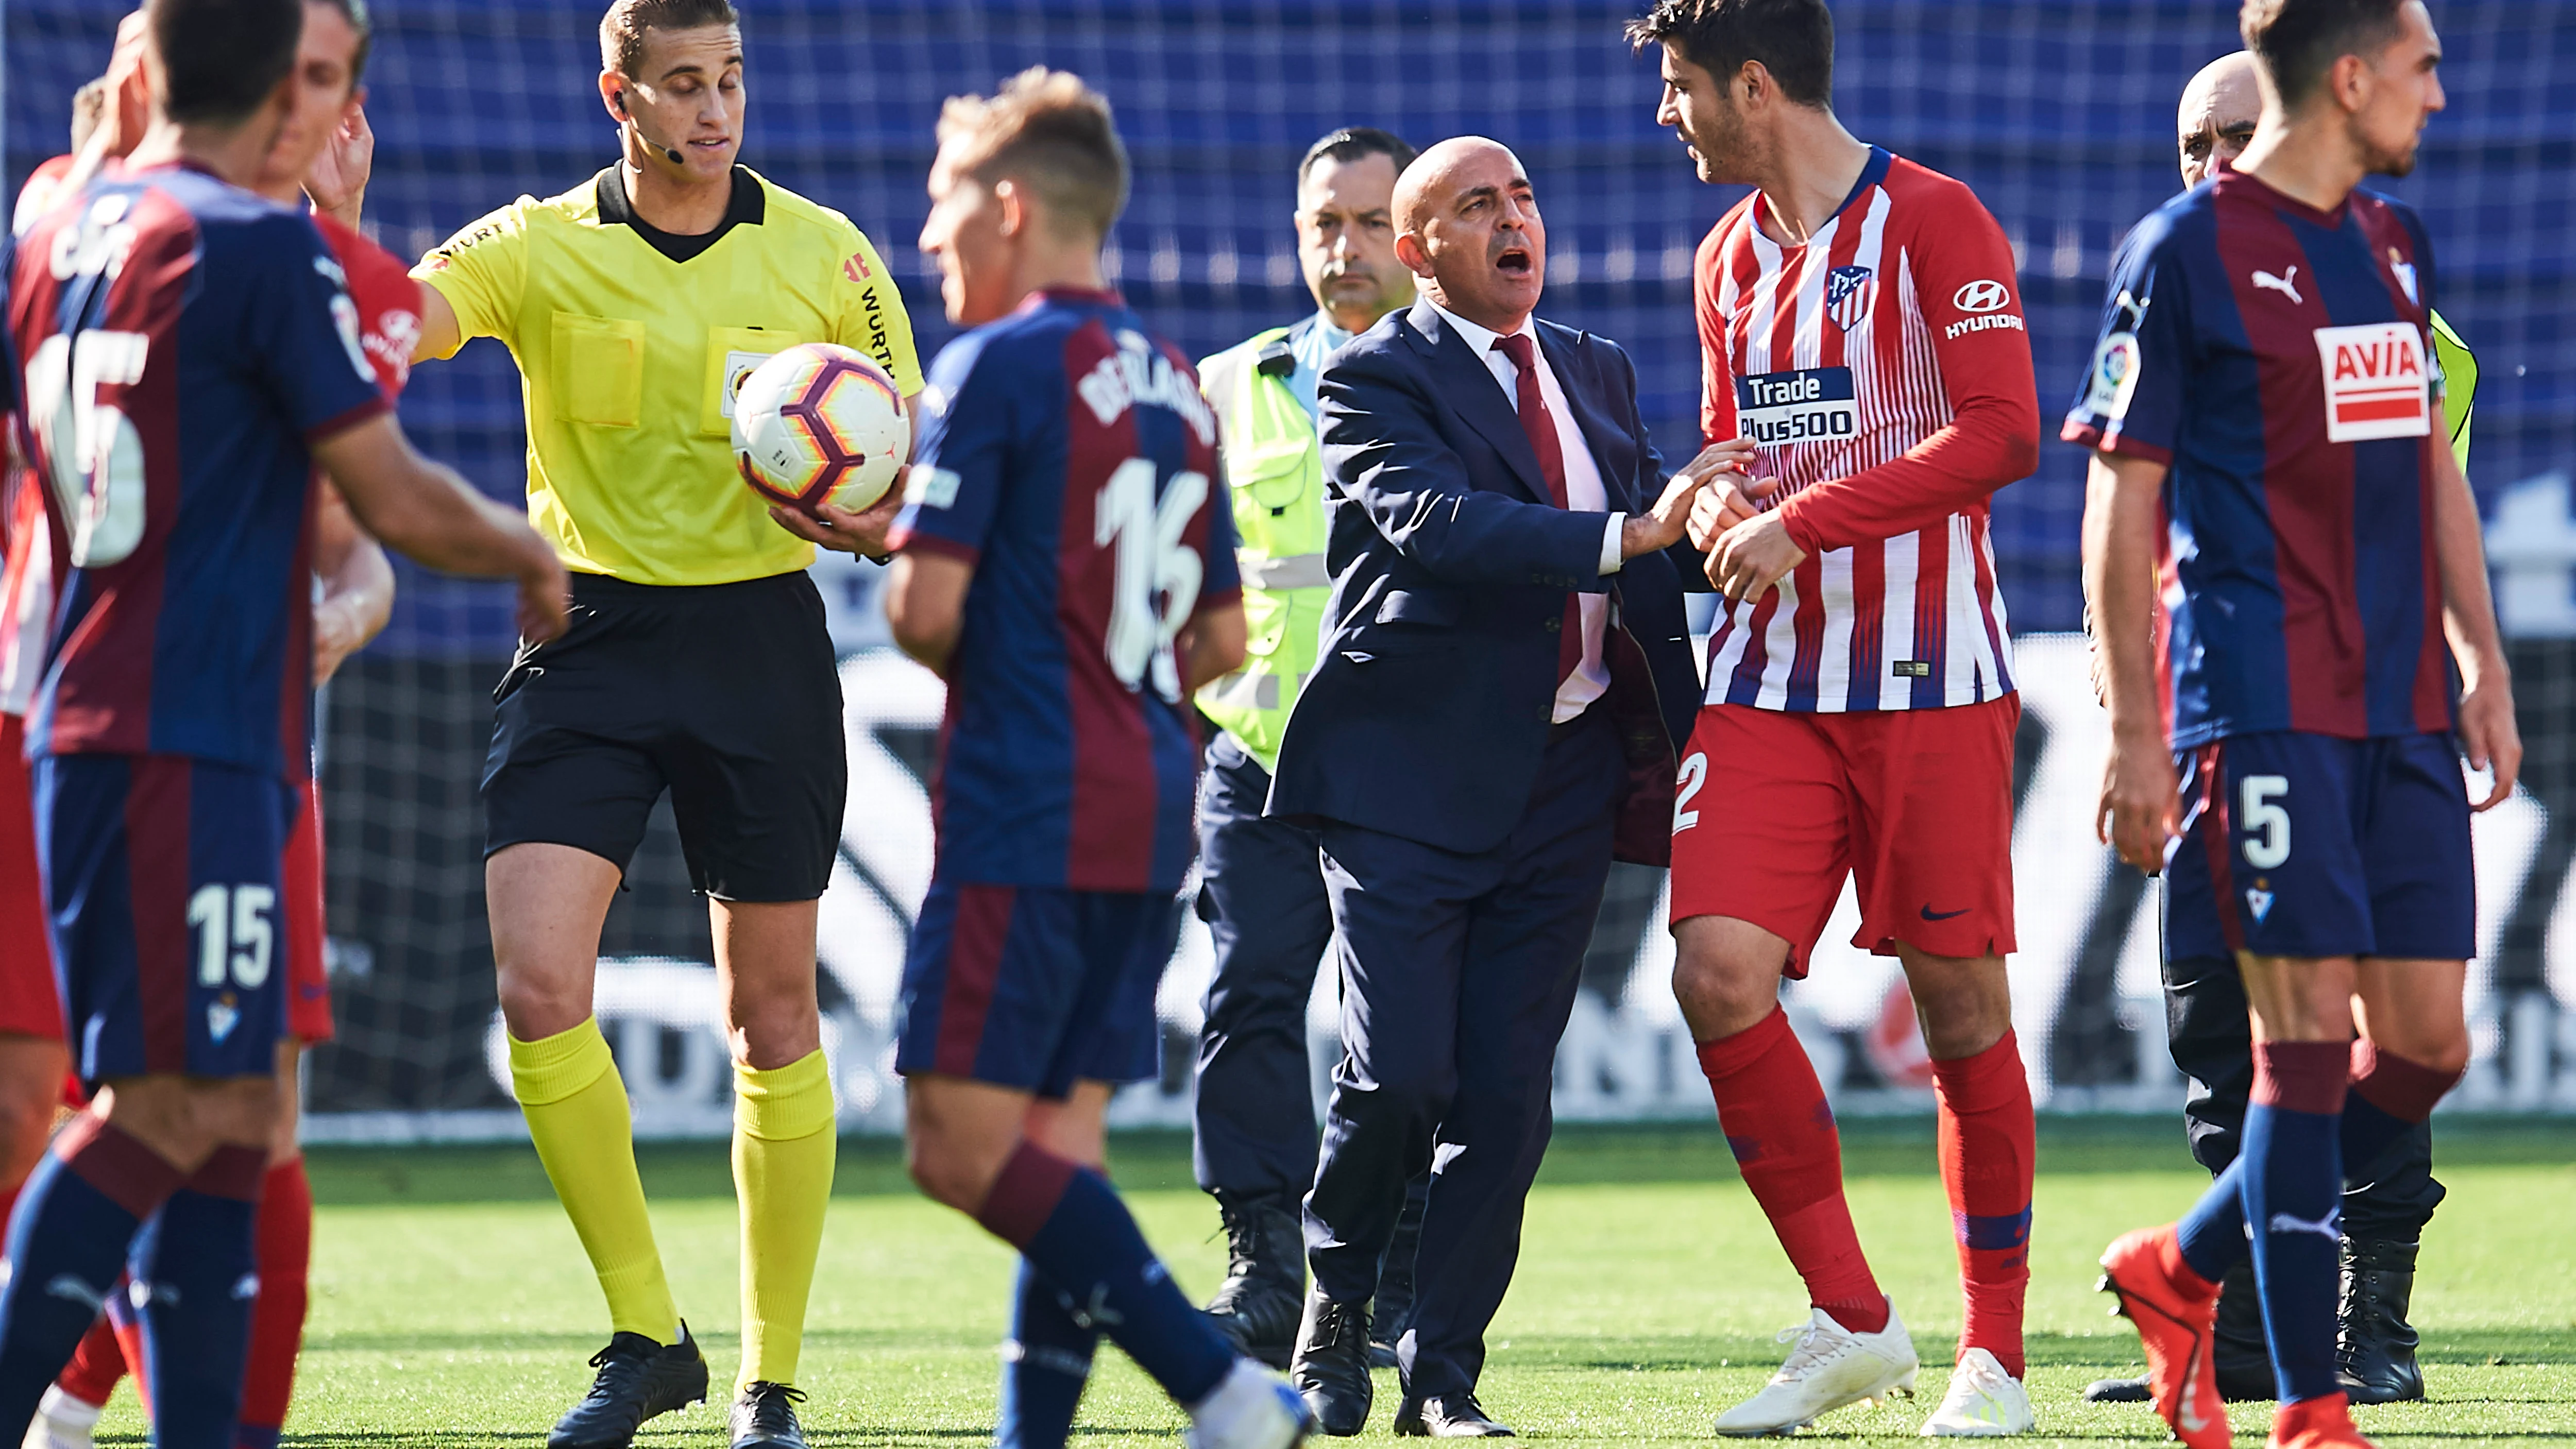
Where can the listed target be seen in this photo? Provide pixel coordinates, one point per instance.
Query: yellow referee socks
(783, 1147)
(576, 1107)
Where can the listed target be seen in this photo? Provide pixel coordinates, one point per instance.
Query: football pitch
(452, 1305)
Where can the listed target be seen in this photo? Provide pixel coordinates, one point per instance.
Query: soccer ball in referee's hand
(819, 424)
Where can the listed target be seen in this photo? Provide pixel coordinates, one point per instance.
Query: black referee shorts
(727, 695)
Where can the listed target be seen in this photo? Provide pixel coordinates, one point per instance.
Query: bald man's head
(1468, 225)
(2216, 120)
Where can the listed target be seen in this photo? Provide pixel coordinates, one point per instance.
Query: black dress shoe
(1448, 1416)
(764, 1417)
(1330, 1367)
(2374, 1344)
(638, 1380)
(1258, 1304)
(2238, 1349)
(2118, 1391)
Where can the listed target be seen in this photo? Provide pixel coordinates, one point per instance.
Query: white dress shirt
(1583, 494)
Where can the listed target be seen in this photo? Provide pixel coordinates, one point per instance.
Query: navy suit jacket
(1432, 697)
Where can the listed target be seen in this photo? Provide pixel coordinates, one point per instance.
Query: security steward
(1263, 889)
(697, 663)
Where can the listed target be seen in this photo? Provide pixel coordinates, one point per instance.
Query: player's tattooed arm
(2141, 803)
(2487, 727)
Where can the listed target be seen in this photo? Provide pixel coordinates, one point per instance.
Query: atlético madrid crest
(1848, 293)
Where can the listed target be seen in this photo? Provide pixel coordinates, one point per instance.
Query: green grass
(452, 1304)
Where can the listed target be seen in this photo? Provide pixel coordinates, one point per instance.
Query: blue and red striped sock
(2293, 1190)
(195, 1276)
(76, 1217)
(1045, 1364)
(1070, 1225)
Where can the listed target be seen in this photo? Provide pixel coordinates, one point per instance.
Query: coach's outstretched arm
(1384, 453)
(421, 509)
(2141, 802)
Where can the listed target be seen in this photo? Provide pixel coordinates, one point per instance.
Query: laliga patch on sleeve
(2115, 378)
(933, 487)
(2377, 383)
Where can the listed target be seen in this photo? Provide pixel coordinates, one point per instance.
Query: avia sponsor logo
(1982, 296)
(1991, 322)
(2376, 382)
(1805, 405)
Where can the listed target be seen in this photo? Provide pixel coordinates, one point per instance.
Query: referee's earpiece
(618, 98)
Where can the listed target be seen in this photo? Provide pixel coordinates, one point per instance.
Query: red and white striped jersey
(1884, 371)
(26, 589)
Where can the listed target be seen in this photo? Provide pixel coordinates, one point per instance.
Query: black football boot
(638, 1380)
(1264, 1291)
(764, 1417)
(2239, 1349)
(1331, 1366)
(2374, 1344)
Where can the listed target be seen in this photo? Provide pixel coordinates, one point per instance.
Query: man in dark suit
(1504, 678)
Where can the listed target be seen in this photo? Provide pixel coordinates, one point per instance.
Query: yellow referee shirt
(629, 343)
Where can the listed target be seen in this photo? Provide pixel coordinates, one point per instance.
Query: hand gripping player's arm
(2487, 727)
(1383, 451)
(424, 511)
(1992, 438)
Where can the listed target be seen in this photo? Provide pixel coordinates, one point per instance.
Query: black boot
(1264, 1291)
(1331, 1364)
(2374, 1345)
(1391, 1313)
(2239, 1349)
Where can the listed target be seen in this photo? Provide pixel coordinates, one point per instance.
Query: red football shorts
(31, 1004)
(308, 985)
(1777, 807)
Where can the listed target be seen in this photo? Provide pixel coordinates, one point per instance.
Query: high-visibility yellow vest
(2459, 385)
(1274, 469)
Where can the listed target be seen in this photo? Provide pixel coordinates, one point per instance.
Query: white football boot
(1984, 1402)
(1830, 1367)
(61, 1422)
(1250, 1408)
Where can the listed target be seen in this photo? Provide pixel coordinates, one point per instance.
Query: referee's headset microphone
(637, 122)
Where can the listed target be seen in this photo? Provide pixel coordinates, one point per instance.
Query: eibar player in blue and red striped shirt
(1068, 567)
(2289, 754)
(189, 354)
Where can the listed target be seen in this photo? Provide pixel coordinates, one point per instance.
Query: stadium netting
(2058, 112)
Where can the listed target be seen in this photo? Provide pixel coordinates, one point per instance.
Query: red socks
(285, 1247)
(1988, 1147)
(96, 1365)
(1780, 1129)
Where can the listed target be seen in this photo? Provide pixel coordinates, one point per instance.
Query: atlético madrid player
(2290, 753)
(1859, 328)
(355, 600)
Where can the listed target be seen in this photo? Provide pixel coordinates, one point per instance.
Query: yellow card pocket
(599, 370)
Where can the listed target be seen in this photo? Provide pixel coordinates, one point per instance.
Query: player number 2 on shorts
(1693, 774)
(2267, 825)
(234, 935)
(1151, 561)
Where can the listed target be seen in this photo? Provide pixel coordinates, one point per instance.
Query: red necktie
(1541, 428)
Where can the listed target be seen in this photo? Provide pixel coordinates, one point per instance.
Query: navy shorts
(1034, 987)
(2306, 845)
(164, 891)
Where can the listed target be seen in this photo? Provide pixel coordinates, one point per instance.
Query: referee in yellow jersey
(697, 662)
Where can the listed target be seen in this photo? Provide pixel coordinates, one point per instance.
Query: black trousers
(1262, 895)
(2387, 1200)
(1458, 974)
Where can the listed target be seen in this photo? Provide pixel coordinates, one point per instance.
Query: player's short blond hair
(1048, 132)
